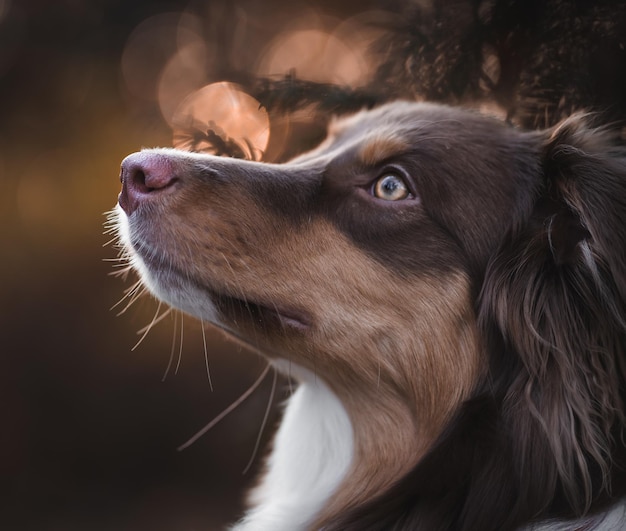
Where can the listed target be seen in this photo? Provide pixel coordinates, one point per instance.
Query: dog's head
(423, 258)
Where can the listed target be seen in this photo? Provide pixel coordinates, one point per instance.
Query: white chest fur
(312, 453)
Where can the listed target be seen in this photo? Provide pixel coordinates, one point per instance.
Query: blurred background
(90, 428)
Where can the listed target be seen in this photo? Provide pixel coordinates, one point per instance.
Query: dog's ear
(553, 309)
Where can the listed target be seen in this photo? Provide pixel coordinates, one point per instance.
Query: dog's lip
(291, 318)
(287, 318)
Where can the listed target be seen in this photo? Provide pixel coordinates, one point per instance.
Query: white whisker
(263, 423)
(206, 355)
(229, 409)
(132, 293)
(180, 349)
(109, 242)
(136, 295)
(171, 359)
(123, 273)
(157, 318)
(127, 293)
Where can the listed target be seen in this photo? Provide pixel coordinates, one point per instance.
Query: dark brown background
(89, 431)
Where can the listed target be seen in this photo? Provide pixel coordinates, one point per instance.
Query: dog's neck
(328, 456)
(312, 454)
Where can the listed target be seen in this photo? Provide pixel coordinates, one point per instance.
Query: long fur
(468, 340)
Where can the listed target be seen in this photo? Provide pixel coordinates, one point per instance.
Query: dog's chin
(235, 314)
(178, 291)
(249, 318)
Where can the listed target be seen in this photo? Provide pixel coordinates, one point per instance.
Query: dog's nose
(143, 175)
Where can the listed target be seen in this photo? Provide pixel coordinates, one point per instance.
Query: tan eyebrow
(380, 147)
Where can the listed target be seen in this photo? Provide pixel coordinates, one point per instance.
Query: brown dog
(451, 294)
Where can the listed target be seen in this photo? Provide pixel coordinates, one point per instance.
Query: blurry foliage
(540, 60)
(289, 94)
(209, 138)
(536, 60)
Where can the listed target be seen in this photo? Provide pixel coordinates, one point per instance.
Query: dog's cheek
(416, 339)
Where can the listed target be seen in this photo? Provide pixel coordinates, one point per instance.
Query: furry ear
(553, 304)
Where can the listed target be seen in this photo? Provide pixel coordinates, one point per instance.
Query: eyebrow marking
(381, 146)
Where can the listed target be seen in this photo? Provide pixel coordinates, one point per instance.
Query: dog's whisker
(132, 294)
(174, 338)
(135, 297)
(156, 319)
(122, 272)
(206, 355)
(263, 423)
(128, 292)
(228, 410)
(122, 265)
(109, 242)
(180, 348)
(136, 292)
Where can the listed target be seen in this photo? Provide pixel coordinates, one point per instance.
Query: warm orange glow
(315, 55)
(359, 33)
(235, 113)
(183, 75)
(323, 49)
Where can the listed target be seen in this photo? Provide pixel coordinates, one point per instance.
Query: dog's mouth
(265, 315)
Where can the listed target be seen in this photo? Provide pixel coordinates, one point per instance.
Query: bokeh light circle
(226, 109)
(314, 55)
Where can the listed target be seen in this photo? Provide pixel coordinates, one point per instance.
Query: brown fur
(380, 147)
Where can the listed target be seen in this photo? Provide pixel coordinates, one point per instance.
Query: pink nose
(144, 175)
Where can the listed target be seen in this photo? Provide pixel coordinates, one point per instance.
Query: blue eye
(390, 187)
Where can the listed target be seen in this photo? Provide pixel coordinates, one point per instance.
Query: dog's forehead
(371, 136)
(394, 128)
(399, 117)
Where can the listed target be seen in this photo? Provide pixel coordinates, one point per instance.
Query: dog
(450, 293)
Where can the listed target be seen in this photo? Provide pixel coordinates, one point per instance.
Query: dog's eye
(390, 187)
